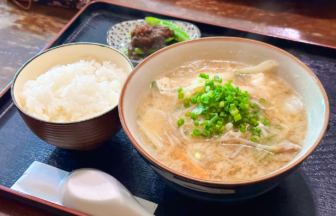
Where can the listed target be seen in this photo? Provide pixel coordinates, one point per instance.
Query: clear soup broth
(270, 133)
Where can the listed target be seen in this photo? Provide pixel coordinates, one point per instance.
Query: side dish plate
(118, 36)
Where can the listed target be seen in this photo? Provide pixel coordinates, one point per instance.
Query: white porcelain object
(250, 52)
(118, 36)
(96, 193)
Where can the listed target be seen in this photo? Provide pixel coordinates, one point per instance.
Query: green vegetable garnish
(179, 34)
(278, 127)
(151, 51)
(153, 84)
(220, 104)
(138, 51)
(262, 101)
(180, 95)
(169, 39)
(266, 122)
(255, 138)
(196, 132)
(180, 122)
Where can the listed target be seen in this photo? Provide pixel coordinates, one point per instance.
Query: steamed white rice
(74, 92)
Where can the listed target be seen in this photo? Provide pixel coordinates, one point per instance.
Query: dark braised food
(147, 39)
(156, 34)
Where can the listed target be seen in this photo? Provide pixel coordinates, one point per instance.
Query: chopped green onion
(255, 131)
(234, 111)
(200, 80)
(242, 128)
(266, 122)
(196, 132)
(154, 146)
(186, 103)
(278, 127)
(214, 119)
(153, 84)
(196, 123)
(254, 106)
(193, 116)
(180, 95)
(255, 138)
(237, 117)
(217, 79)
(262, 100)
(193, 100)
(222, 106)
(180, 122)
(229, 126)
(188, 95)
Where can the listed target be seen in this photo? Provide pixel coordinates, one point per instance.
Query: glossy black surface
(311, 190)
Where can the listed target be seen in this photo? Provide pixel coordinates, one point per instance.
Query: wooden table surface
(25, 33)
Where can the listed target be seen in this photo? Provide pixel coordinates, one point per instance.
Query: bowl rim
(54, 48)
(271, 175)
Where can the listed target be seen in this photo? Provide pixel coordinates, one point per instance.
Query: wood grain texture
(13, 203)
(302, 20)
(24, 33)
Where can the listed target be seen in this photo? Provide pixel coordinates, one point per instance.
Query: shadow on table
(292, 197)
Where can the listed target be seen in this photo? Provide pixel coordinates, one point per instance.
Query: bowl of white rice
(68, 95)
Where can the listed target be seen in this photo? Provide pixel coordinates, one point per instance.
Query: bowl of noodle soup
(223, 118)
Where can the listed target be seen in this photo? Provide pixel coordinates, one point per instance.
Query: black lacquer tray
(311, 190)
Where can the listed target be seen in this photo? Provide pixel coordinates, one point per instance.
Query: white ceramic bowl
(80, 135)
(297, 74)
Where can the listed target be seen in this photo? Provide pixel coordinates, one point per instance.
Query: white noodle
(169, 139)
(275, 148)
(178, 114)
(154, 137)
(262, 67)
(239, 149)
(259, 104)
(250, 90)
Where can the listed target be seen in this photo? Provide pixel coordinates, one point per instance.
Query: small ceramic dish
(249, 52)
(80, 135)
(118, 36)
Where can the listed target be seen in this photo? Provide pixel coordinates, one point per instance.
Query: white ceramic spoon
(96, 193)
